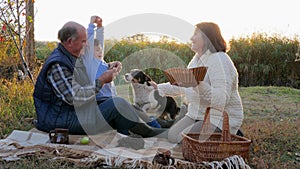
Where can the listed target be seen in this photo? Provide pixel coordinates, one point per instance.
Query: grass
(271, 122)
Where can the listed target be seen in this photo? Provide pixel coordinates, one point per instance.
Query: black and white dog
(148, 99)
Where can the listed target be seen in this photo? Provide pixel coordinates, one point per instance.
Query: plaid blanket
(103, 150)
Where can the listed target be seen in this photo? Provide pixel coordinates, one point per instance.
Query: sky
(236, 18)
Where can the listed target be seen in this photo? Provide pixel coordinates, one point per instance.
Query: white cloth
(218, 90)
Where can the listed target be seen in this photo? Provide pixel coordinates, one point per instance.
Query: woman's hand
(154, 84)
(180, 84)
(176, 84)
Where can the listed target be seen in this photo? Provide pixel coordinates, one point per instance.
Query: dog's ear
(138, 79)
(148, 82)
(137, 76)
(148, 78)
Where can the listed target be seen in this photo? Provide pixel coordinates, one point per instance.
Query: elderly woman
(218, 90)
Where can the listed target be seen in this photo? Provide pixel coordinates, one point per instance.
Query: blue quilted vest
(52, 112)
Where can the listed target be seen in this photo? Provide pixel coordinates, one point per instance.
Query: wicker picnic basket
(186, 77)
(199, 147)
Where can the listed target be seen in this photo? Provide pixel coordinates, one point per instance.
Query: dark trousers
(112, 113)
(118, 113)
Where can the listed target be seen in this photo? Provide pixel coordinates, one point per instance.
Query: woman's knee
(174, 136)
(183, 125)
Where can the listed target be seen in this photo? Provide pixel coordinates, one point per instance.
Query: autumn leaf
(256, 148)
(1, 39)
(4, 27)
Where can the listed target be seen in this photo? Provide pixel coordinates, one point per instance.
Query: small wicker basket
(186, 77)
(199, 147)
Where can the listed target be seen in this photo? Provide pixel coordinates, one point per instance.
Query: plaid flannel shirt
(61, 79)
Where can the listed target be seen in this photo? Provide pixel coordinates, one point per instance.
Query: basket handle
(206, 122)
(226, 130)
(206, 127)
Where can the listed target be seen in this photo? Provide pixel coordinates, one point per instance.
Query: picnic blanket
(103, 150)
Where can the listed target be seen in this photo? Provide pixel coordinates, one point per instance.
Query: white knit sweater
(219, 90)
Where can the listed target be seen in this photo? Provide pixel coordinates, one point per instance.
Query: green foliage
(8, 53)
(264, 60)
(44, 49)
(9, 59)
(261, 59)
(152, 57)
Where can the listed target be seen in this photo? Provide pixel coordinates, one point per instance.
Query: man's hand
(116, 65)
(108, 76)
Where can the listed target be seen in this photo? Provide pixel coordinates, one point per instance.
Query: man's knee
(125, 109)
(118, 101)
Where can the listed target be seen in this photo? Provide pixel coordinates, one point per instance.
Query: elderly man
(64, 97)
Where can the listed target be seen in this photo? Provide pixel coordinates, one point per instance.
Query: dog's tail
(173, 115)
(178, 110)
